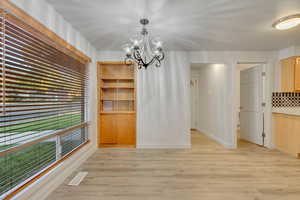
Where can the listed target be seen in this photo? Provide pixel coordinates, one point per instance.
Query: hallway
(207, 171)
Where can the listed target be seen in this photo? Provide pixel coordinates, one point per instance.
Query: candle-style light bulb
(127, 48)
(157, 43)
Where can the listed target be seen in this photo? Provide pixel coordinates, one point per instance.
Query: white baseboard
(217, 139)
(49, 182)
(149, 146)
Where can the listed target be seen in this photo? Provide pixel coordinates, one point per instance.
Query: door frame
(267, 99)
(194, 79)
(254, 137)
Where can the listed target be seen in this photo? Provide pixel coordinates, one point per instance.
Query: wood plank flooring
(206, 172)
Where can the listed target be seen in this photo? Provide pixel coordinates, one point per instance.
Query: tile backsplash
(286, 99)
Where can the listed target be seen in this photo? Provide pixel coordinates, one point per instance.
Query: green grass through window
(55, 123)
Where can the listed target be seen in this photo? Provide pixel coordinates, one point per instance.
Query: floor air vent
(78, 178)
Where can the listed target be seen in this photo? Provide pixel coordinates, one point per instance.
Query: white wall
(47, 15)
(212, 105)
(164, 104)
(163, 112)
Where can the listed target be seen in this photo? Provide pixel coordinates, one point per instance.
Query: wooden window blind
(42, 102)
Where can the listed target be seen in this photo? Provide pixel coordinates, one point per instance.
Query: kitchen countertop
(287, 110)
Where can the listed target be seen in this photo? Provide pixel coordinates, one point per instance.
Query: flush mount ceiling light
(287, 22)
(143, 49)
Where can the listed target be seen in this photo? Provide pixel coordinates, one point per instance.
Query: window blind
(42, 94)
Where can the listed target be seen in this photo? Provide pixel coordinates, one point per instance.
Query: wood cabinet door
(292, 135)
(126, 129)
(297, 136)
(108, 129)
(283, 128)
(288, 75)
(279, 129)
(297, 74)
(118, 129)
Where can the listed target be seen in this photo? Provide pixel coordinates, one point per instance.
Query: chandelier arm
(139, 55)
(152, 60)
(135, 55)
(163, 56)
(158, 62)
(139, 58)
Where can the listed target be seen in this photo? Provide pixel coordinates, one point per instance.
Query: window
(42, 102)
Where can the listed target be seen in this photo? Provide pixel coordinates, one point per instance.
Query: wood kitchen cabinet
(290, 74)
(286, 129)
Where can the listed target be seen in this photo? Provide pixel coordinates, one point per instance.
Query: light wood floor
(206, 172)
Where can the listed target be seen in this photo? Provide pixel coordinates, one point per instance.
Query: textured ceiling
(184, 24)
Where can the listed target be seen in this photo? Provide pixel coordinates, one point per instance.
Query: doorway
(251, 108)
(208, 86)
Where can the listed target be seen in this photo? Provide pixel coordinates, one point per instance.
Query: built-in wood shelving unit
(117, 102)
(117, 112)
(115, 87)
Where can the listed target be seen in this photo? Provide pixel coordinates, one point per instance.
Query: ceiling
(184, 24)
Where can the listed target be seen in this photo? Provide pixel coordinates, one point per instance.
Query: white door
(194, 102)
(251, 113)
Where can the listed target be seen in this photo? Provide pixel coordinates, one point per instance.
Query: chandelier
(144, 50)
